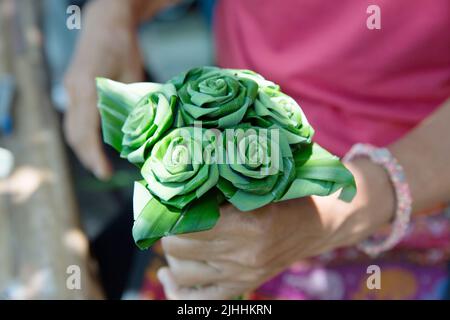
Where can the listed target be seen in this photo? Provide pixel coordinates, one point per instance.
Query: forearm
(425, 154)
(105, 20)
(146, 9)
(131, 12)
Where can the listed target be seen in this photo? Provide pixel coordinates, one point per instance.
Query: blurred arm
(146, 9)
(108, 47)
(134, 11)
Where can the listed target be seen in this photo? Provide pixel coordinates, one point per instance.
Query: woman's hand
(107, 47)
(247, 248)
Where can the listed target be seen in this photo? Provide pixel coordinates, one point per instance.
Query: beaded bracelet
(383, 157)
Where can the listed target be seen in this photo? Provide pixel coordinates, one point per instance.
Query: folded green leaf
(176, 170)
(219, 98)
(153, 222)
(272, 107)
(201, 215)
(318, 172)
(147, 123)
(259, 79)
(157, 220)
(258, 168)
(134, 116)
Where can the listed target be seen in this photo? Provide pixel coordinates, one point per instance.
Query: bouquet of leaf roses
(211, 135)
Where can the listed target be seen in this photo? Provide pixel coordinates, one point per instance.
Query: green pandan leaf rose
(258, 167)
(219, 98)
(117, 100)
(147, 122)
(181, 167)
(272, 107)
(259, 79)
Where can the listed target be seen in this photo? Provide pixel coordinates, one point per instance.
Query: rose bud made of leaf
(177, 170)
(258, 166)
(152, 116)
(273, 107)
(252, 75)
(219, 98)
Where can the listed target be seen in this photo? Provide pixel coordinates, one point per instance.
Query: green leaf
(155, 221)
(181, 201)
(246, 201)
(274, 108)
(116, 100)
(217, 97)
(199, 216)
(177, 183)
(226, 187)
(141, 196)
(158, 220)
(318, 172)
(304, 187)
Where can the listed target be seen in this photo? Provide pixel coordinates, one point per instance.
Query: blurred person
(389, 87)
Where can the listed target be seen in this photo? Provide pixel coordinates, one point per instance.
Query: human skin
(108, 47)
(246, 249)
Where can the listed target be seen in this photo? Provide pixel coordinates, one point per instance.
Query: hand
(245, 249)
(107, 47)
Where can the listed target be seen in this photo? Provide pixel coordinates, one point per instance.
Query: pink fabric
(354, 84)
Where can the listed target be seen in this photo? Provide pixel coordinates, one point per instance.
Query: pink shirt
(354, 84)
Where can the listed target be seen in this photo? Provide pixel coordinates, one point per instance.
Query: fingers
(192, 249)
(189, 273)
(220, 230)
(221, 263)
(82, 127)
(210, 292)
(134, 71)
(232, 222)
(93, 157)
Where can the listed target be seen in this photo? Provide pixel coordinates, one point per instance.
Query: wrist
(376, 195)
(372, 208)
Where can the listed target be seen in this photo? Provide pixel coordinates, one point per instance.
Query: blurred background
(53, 213)
(66, 235)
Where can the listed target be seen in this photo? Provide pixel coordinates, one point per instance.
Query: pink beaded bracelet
(383, 157)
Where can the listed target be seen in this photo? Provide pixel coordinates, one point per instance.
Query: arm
(246, 249)
(108, 47)
(425, 156)
(144, 10)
